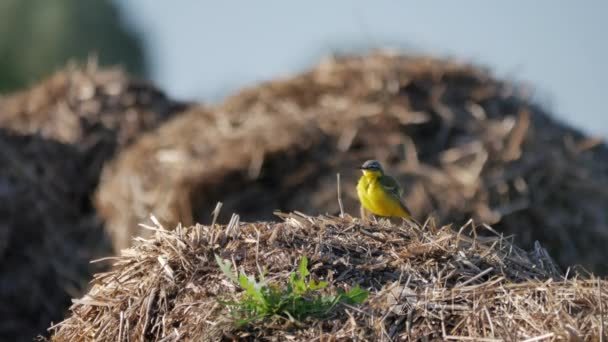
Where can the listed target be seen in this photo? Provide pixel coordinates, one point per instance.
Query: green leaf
(226, 268)
(299, 287)
(292, 280)
(314, 285)
(356, 295)
(303, 268)
(252, 288)
(246, 283)
(295, 301)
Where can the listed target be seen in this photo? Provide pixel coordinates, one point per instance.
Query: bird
(380, 193)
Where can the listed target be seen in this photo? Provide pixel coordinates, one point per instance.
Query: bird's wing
(392, 187)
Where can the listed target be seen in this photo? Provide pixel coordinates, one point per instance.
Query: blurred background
(87, 154)
(203, 50)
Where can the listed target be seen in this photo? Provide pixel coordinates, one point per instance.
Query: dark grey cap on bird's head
(372, 165)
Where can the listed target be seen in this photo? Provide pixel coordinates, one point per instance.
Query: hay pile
(97, 111)
(424, 282)
(54, 139)
(202, 157)
(462, 143)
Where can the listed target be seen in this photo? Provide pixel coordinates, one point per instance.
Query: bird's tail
(406, 210)
(408, 215)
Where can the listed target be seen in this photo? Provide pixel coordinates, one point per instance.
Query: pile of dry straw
(426, 283)
(462, 143)
(54, 140)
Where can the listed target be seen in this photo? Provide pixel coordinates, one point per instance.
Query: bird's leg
(363, 213)
(367, 216)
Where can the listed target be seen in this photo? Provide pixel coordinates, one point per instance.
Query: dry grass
(98, 111)
(81, 105)
(425, 282)
(175, 171)
(54, 140)
(462, 143)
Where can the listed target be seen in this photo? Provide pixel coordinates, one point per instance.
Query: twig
(216, 213)
(538, 338)
(486, 271)
(599, 290)
(340, 196)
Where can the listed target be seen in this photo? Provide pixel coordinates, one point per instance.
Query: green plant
(298, 299)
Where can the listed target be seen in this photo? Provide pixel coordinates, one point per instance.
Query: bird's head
(372, 168)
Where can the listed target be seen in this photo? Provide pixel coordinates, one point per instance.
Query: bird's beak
(360, 168)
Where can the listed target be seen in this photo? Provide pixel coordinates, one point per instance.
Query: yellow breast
(374, 198)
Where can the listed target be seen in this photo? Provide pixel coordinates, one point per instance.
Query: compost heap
(54, 139)
(462, 144)
(424, 283)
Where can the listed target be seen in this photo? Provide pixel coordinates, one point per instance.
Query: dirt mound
(54, 139)
(423, 282)
(462, 143)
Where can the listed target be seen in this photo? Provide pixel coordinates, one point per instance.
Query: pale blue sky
(204, 50)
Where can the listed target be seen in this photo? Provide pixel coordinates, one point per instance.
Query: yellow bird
(379, 193)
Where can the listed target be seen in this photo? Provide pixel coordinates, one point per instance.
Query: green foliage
(298, 299)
